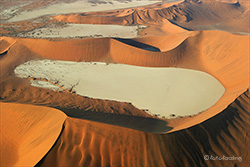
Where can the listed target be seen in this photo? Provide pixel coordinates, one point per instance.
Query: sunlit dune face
(27, 132)
(163, 91)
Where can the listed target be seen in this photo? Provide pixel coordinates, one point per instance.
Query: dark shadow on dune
(138, 44)
(211, 137)
(151, 125)
(3, 54)
(42, 160)
(185, 28)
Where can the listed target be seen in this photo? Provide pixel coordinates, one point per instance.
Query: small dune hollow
(166, 92)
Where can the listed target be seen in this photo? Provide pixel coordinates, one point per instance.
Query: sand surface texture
(57, 127)
(27, 133)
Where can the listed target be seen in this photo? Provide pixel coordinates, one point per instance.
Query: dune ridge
(189, 14)
(100, 145)
(195, 52)
(42, 127)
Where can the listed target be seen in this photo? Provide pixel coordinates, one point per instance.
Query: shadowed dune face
(105, 111)
(27, 133)
(108, 133)
(190, 15)
(105, 145)
(137, 44)
(197, 52)
(141, 123)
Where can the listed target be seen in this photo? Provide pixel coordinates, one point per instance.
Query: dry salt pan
(162, 91)
(85, 30)
(79, 6)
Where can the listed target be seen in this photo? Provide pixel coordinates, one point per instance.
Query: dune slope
(109, 133)
(190, 14)
(27, 133)
(106, 145)
(41, 127)
(202, 51)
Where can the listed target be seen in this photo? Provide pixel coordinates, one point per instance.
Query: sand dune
(161, 18)
(105, 111)
(27, 133)
(165, 42)
(50, 128)
(190, 14)
(18, 54)
(5, 46)
(215, 61)
(105, 145)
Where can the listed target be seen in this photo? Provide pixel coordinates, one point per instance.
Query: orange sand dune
(140, 15)
(106, 145)
(16, 89)
(98, 144)
(71, 50)
(5, 45)
(165, 42)
(27, 133)
(76, 106)
(36, 131)
(13, 54)
(202, 51)
(190, 14)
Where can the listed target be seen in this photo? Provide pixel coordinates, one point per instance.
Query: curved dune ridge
(190, 14)
(105, 145)
(42, 127)
(27, 133)
(201, 51)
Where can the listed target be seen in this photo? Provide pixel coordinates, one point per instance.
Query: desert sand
(46, 127)
(27, 133)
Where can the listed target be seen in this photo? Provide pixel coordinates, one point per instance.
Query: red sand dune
(27, 133)
(108, 133)
(203, 51)
(107, 145)
(190, 14)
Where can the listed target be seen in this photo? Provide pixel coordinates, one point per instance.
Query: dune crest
(105, 145)
(190, 15)
(43, 127)
(193, 53)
